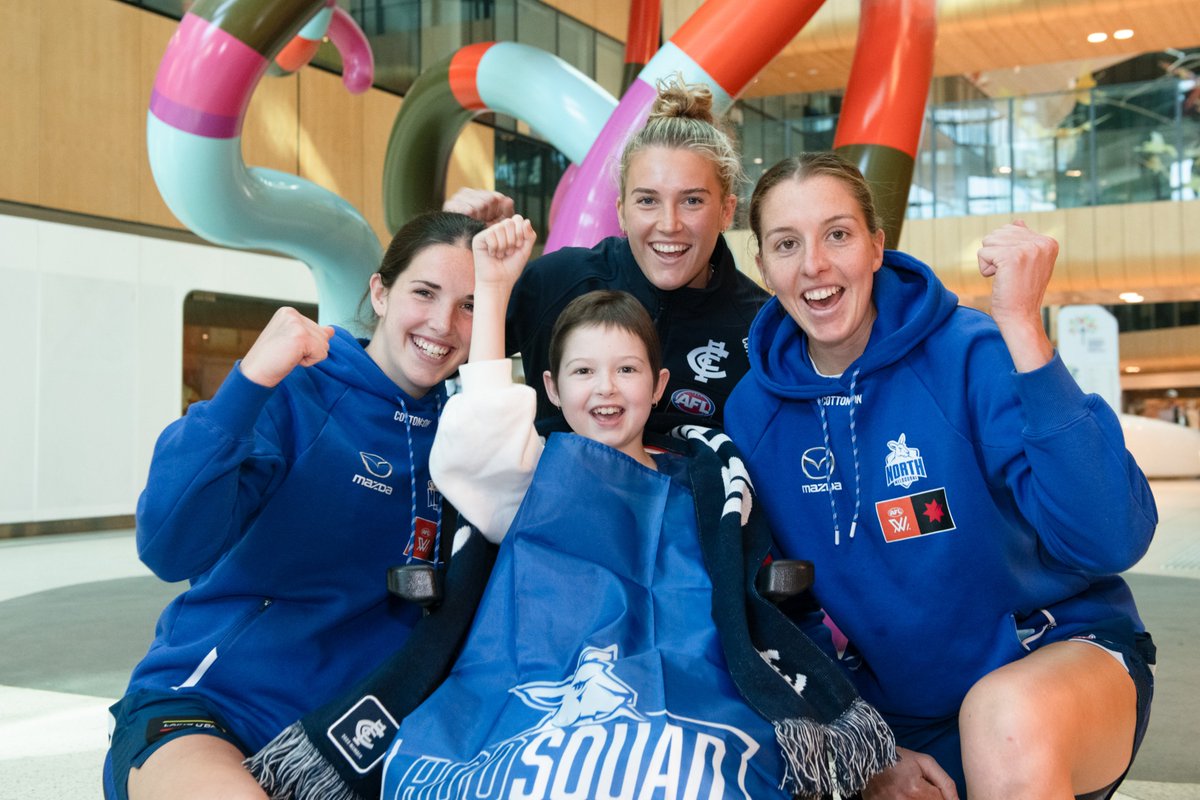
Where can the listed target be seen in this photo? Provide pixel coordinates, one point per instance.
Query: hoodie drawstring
(412, 479)
(837, 531)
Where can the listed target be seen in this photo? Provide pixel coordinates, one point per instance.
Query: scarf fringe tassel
(290, 767)
(838, 758)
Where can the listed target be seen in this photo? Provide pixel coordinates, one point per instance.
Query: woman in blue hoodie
(966, 506)
(283, 500)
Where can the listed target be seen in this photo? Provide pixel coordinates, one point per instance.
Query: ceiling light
(1131, 297)
(1124, 33)
(1097, 37)
(1004, 170)
(1074, 173)
(1133, 369)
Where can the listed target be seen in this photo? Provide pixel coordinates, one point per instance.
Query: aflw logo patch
(592, 741)
(914, 515)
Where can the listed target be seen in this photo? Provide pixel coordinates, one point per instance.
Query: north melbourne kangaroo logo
(593, 695)
(592, 741)
(904, 465)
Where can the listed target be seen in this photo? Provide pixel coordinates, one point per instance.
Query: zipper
(210, 658)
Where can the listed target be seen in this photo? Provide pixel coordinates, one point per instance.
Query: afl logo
(817, 463)
(690, 401)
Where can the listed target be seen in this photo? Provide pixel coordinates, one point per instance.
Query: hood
(911, 303)
(349, 363)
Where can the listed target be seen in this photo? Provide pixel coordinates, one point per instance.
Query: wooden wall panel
(1080, 234)
(1139, 245)
(20, 99)
(1166, 232)
(945, 256)
(471, 163)
(271, 129)
(916, 239)
(1189, 221)
(1163, 349)
(608, 16)
(971, 231)
(1108, 236)
(331, 135)
(379, 115)
(154, 33)
(89, 119)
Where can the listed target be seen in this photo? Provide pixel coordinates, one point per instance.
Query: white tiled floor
(52, 743)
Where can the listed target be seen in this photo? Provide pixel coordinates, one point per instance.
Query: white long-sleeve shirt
(487, 447)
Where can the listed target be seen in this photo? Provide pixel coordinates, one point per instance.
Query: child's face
(606, 388)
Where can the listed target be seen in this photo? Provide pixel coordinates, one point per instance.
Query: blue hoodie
(284, 508)
(958, 514)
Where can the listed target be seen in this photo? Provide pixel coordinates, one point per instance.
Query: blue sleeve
(1062, 454)
(209, 475)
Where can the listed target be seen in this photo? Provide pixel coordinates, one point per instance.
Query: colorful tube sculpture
(703, 50)
(880, 125)
(203, 86)
(358, 63)
(642, 39)
(557, 100)
(223, 47)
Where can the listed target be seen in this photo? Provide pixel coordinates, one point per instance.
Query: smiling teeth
(431, 349)
(821, 294)
(669, 248)
(607, 411)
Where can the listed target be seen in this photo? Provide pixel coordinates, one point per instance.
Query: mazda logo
(817, 463)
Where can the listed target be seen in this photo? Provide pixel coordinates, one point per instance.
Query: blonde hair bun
(679, 99)
(682, 119)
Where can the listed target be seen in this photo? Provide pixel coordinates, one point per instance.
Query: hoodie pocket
(227, 641)
(1031, 628)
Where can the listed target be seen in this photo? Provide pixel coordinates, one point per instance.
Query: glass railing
(1116, 144)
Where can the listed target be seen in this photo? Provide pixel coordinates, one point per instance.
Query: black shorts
(147, 719)
(940, 738)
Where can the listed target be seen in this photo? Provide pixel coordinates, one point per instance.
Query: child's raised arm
(487, 447)
(501, 253)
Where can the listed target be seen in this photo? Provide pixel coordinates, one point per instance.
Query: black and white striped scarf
(832, 741)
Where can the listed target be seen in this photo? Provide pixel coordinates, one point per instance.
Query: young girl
(594, 668)
(283, 500)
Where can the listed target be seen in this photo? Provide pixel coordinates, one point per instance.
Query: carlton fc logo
(904, 465)
(703, 361)
(592, 741)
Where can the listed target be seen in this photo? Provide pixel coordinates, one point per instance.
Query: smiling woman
(281, 499)
(678, 179)
(943, 449)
